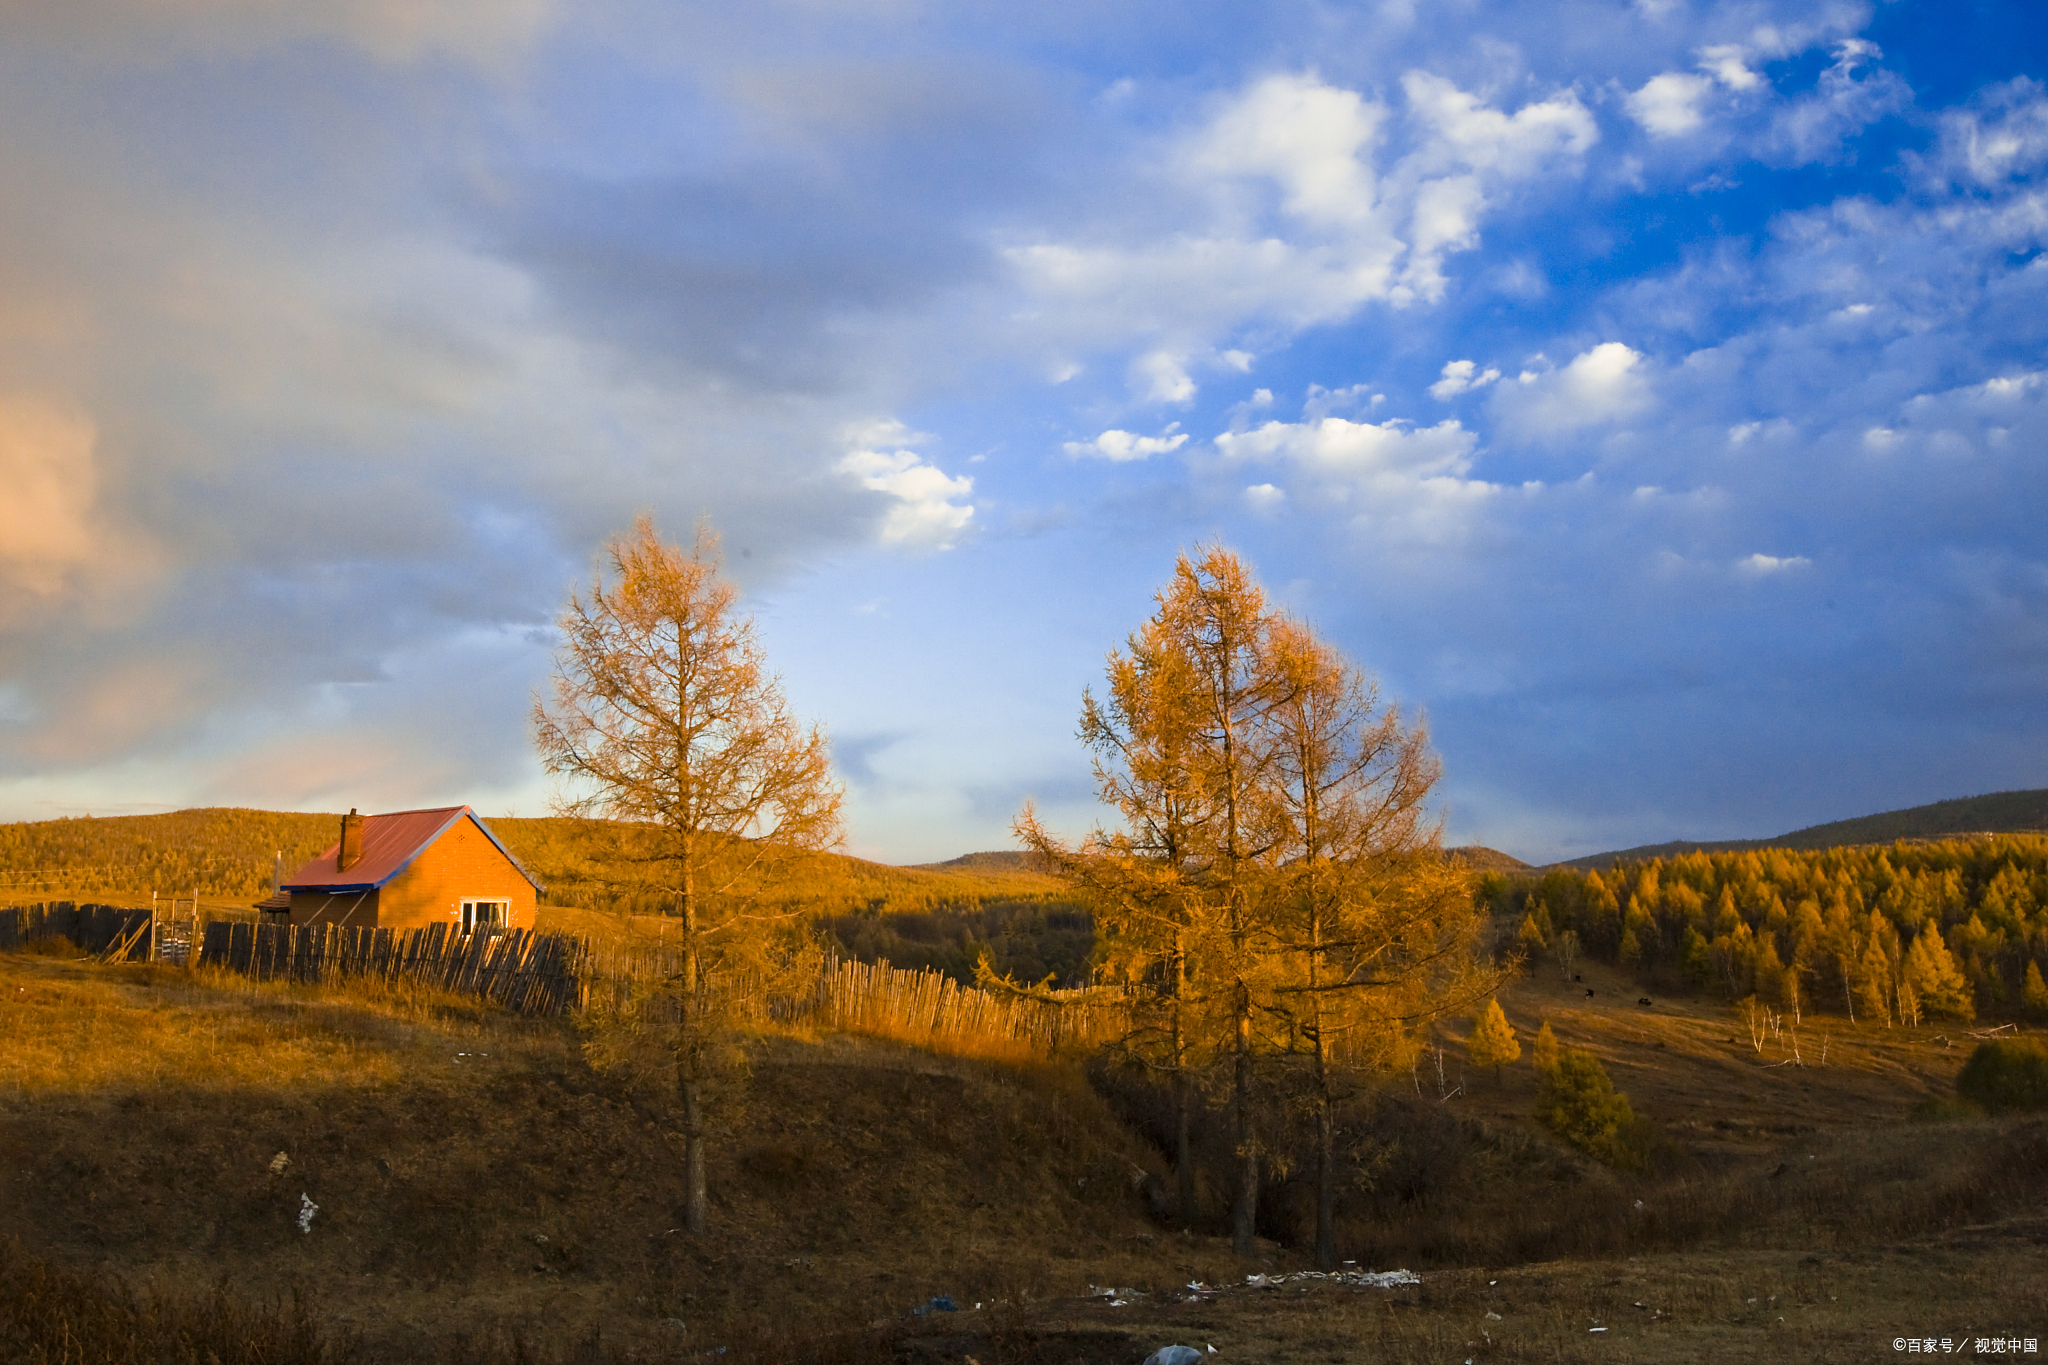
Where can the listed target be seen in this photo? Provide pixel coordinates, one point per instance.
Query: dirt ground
(1760, 1306)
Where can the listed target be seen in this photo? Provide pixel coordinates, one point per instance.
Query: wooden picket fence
(557, 973)
(925, 1008)
(92, 928)
(524, 970)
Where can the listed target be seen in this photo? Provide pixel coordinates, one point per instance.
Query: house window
(485, 914)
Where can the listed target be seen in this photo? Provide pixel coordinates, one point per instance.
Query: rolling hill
(2015, 812)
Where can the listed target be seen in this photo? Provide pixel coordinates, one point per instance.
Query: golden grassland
(478, 1183)
(485, 1196)
(77, 1026)
(224, 857)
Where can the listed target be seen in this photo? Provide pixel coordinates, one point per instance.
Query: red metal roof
(390, 843)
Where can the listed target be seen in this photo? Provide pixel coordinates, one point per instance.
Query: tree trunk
(1183, 1152)
(1183, 1103)
(1244, 1218)
(693, 1159)
(1326, 1167)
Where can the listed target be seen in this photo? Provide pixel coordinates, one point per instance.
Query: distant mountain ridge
(2015, 812)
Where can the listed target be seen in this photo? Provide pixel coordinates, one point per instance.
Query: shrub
(1580, 1104)
(2006, 1076)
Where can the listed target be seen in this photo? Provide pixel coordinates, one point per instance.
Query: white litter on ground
(1174, 1355)
(1357, 1279)
(307, 1208)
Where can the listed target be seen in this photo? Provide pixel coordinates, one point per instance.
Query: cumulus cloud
(1461, 376)
(1408, 482)
(1668, 105)
(1602, 385)
(1161, 377)
(1312, 140)
(1308, 201)
(1728, 63)
(1121, 446)
(925, 515)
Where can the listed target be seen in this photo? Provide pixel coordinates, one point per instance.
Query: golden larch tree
(666, 721)
(1493, 1042)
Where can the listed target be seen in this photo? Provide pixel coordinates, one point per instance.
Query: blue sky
(1654, 395)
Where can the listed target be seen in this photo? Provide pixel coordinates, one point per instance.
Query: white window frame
(498, 914)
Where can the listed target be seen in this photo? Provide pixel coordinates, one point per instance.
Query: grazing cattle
(1589, 992)
(1644, 1001)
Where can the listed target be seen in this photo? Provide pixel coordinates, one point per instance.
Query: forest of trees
(222, 853)
(1894, 933)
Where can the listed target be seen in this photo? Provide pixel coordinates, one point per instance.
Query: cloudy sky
(1654, 394)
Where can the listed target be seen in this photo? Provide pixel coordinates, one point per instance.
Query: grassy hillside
(474, 1177)
(1998, 813)
(226, 855)
(475, 1181)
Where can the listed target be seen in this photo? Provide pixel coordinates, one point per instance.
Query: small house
(413, 868)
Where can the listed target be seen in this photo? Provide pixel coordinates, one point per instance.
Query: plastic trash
(1174, 1355)
(307, 1208)
(278, 1163)
(939, 1303)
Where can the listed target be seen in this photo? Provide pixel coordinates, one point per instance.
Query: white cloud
(1409, 484)
(1728, 63)
(1761, 565)
(1160, 377)
(1312, 140)
(2004, 136)
(1460, 376)
(1473, 134)
(1814, 128)
(1479, 149)
(1604, 384)
(1668, 105)
(1351, 450)
(1121, 446)
(925, 515)
(1307, 202)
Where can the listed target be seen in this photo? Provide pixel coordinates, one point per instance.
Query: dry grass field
(483, 1196)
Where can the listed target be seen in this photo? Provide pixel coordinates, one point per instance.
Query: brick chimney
(351, 841)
